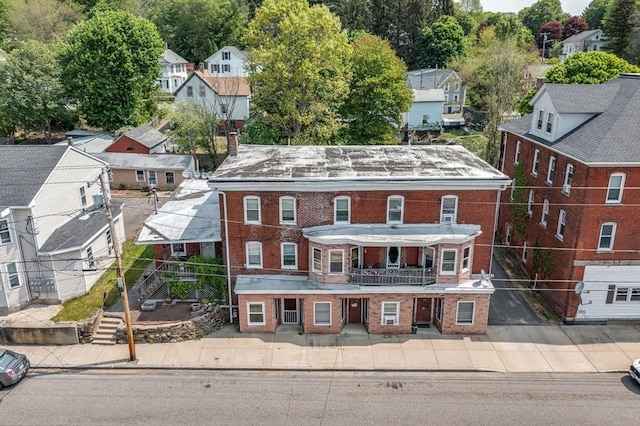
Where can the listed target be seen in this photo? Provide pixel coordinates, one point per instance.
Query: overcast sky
(572, 7)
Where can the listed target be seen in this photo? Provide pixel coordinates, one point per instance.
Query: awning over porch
(299, 284)
(372, 235)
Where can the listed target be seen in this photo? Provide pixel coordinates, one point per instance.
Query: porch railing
(404, 276)
(290, 317)
(178, 269)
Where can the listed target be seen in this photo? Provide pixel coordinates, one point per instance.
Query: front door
(423, 310)
(207, 249)
(355, 311)
(290, 311)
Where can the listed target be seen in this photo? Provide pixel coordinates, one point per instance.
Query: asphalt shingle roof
(610, 136)
(580, 36)
(24, 169)
(146, 135)
(77, 232)
(580, 98)
(171, 57)
(120, 160)
(427, 78)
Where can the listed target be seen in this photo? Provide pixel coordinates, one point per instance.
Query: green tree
(299, 62)
(595, 12)
(540, 12)
(195, 29)
(31, 94)
(4, 21)
(508, 26)
(523, 106)
(618, 25)
(43, 20)
(519, 203)
(354, 14)
(467, 22)
(195, 127)
(589, 68)
(110, 67)
(473, 7)
(378, 93)
(492, 71)
(441, 42)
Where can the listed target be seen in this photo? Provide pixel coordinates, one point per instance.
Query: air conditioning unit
(566, 188)
(389, 320)
(447, 218)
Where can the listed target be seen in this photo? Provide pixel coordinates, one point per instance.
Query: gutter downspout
(227, 255)
(495, 229)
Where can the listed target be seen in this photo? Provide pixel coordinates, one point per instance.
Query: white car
(634, 370)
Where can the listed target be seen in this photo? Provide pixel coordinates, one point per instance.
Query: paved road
(307, 398)
(136, 210)
(509, 307)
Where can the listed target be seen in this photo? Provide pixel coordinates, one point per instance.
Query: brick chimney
(70, 141)
(539, 82)
(232, 144)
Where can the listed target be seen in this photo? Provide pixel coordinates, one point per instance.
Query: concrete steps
(105, 333)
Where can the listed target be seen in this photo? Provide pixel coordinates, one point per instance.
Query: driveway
(508, 304)
(136, 211)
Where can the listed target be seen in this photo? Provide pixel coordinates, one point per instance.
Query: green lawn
(135, 260)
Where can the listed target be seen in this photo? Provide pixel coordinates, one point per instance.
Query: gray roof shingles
(24, 169)
(610, 136)
(76, 232)
(146, 135)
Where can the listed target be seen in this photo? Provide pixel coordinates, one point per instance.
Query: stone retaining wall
(213, 319)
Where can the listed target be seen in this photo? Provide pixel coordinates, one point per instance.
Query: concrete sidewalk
(565, 349)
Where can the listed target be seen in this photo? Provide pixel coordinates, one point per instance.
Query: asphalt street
(318, 398)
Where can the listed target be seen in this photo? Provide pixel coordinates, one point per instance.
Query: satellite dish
(186, 174)
(196, 174)
(579, 287)
(209, 175)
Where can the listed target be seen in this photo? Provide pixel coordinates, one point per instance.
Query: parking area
(137, 207)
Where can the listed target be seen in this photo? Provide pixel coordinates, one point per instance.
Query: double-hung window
(464, 313)
(551, 170)
(530, 202)
(516, 158)
(289, 256)
(255, 313)
(254, 254)
(607, 235)
(5, 234)
(342, 210)
(139, 175)
(545, 213)
(252, 210)
(316, 266)
(466, 258)
(178, 249)
(394, 209)
(169, 178)
(568, 179)
(449, 209)
(562, 223)
(321, 313)
(287, 210)
(12, 272)
(390, 313)
(336, 261)
(83, 196)
(448, 261)
(614, 190)
(549, 122)
(540, 119)
(525, 251)
(90, 260)
(536, 162)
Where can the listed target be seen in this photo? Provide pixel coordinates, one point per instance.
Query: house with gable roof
(141, 140)
(173, 70)
(580, 156)
(449, 81)
(586, 41)
(228, 62)
(228, 97)
(383, 238)
(55, 240)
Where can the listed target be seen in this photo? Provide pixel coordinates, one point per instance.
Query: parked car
(634, 370)
(13, 367)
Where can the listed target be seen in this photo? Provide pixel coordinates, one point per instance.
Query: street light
(120, 271)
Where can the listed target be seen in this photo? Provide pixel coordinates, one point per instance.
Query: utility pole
(121, 282)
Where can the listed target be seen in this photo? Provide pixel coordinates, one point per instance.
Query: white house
(227, 62)
(55, 240)
(228, 96)
(586, 41)
(173, 69)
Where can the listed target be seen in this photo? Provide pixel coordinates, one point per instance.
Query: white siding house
(53, 243)
(173, 70)
(227, 62)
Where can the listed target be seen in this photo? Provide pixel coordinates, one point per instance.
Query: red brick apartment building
(384, 236)
(580, 154)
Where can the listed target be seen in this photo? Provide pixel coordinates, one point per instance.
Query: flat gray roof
(387, 234)
(193, 217)
(365, 163)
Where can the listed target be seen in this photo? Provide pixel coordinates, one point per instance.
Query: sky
(572, 7)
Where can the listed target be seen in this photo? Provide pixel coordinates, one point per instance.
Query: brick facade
(128, 146)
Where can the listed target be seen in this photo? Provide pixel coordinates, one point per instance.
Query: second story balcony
(390, 276)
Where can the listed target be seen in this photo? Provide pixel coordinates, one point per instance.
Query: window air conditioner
(389, 320)
(447, 218)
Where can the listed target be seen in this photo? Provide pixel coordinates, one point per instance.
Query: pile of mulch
(163, 314)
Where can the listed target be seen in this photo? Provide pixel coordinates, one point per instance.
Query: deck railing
(404, 276)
